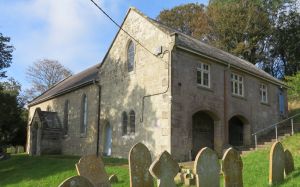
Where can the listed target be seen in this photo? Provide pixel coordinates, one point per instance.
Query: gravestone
(76, 181)
(276, 167)
(139, 164)
(232, 168)
(164, 168)
(113, 179)
(207, 168)
(92, 167)
(289, 162)
(20, 149)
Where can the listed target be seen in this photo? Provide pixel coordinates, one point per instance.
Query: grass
(25, 171)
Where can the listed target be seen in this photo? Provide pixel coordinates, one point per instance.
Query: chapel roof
(70, 83)
(189, 42)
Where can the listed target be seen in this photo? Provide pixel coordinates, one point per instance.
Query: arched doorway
(236, 131)
(202, 131)
(107, 140)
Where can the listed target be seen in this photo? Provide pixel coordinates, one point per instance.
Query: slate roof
(183, 40)
(46, 118)
(78, 80)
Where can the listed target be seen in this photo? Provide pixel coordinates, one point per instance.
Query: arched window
(84, 110)
(124, 123)
(66, 117)
(130, 56)
(132, 121)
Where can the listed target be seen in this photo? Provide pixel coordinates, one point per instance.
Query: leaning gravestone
(276, 167)
(207, 168)
(76, 181)
(232, 168)
(289, 162)
(92, 167)
(139, 164)
(164, 168)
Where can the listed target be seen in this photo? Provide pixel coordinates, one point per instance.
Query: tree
(43, 74)
(284, 42)
(294, 83)
(190, 19)
(239, 27)
(13, 116)
(5, 54)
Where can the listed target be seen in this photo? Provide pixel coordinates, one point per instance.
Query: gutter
(233, 66)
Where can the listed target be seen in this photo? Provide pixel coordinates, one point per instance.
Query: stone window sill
(264, 103)
(204, 88)
(239, 97)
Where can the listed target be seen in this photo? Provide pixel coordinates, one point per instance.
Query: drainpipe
(162, 92)
(98, 115)
(226, 104)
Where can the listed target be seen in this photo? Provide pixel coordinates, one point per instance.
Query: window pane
(205, 79)
(130, 56)
(132, 121)
(240, 89)
(84, 110)
(199, 78)
(124, 123)
(235, 88)
(240, 78)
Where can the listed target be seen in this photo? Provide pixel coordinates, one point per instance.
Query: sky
(74, 32)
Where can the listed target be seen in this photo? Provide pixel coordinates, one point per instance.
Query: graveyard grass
(25, 171)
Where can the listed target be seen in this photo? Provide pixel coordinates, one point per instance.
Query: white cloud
(73, 32)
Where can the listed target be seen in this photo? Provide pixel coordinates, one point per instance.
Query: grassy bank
(25, 171)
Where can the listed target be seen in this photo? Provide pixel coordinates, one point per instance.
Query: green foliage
(12, 114)
(190, 19)
(264, 32)
(5, 54)
(239, 27)
(294, 83)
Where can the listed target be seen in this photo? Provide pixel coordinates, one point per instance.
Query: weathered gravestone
(20, 149)
(289, 162)
(139, 164)
(232, 168)
(164, 168)
(276, 167)
(76, 181)
(92, 167)
(207, 168)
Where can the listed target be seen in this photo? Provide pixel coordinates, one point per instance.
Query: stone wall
(217, 101)
(73, 143)
(123, 91)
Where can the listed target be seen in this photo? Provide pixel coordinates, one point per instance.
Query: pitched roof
(78, 80)
(46, 119)
(185, 41)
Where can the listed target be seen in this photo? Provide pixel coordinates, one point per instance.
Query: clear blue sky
(73, 32)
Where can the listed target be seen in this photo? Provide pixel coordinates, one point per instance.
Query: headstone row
(165, 168)
(207, 169)
(280, 162)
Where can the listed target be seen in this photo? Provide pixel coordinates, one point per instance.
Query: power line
(109, 17)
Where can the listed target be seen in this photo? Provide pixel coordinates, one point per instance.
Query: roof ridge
(241, 61)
